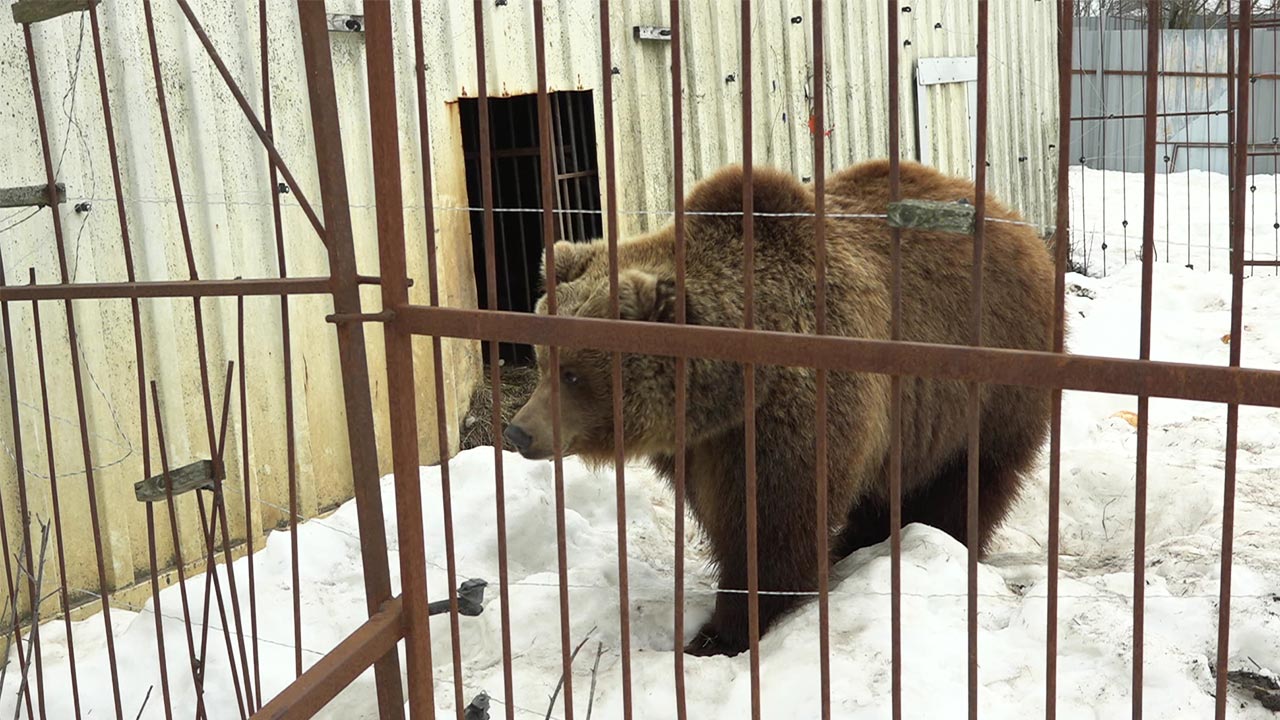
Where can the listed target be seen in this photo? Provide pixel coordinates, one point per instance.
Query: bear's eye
(569, 377)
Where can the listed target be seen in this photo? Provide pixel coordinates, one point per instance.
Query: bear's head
(645, 292)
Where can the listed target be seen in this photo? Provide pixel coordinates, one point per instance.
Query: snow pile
(1095, 614)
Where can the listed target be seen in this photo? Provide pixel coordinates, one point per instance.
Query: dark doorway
(517, 193)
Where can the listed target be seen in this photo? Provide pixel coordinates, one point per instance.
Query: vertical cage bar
(495, 376)
(73, 346)
(1150, 96)
(253, 683)
(553, 352)
(197, 676)
(442, 427)
(21, 472)
(823, 524)
(1240, 158)
(351, 345)
(286, 347)
(388, 193)
(972, 532)
(619, 447)
(53, 493)
(139, 357)
(895, 382)
(1061, 248)
(682, 366)
(749, 369)
(202, 357)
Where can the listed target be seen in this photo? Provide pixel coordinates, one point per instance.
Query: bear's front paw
(710, 642)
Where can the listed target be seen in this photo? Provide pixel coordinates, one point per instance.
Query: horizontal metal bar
(992, 366)
(1143, 116)
(1262, 263)
(384, 316)
(339, 667)
(168, 288)
(30, 195)
(1171, 73)
(198, 475)
(34, 11)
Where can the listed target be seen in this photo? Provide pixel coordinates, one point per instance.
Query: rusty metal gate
(404, 617)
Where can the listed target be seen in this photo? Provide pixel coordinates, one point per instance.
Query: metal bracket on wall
(650, 32)
(198, 475)
(31, 196)
(34, 11)
(339, 22)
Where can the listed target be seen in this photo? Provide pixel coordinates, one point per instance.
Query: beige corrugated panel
(224, 178)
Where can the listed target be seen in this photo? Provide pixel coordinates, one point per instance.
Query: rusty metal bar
(368, 645)
(1174, 74)
(895, 381)
(986, 365)
(437, 349)
(139, 357)
(175, 179)
(972, 535)
(286, 343)
(495, 377)
(619, 446)
(15, 422)
(402, 403)
(553, 352)
(168, 289)
(197, 674)
(27, 549)
(220, 506)
(263, 135)
(822, 525)
(53, 491)
(351, 345)
(1061, 248)
(681, 369)
(1151, 92)
(1141, 116)
(73, 346)
(749, 369)
(1238, 204)
(255, 694)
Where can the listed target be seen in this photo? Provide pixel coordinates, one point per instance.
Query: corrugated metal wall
(227, 194)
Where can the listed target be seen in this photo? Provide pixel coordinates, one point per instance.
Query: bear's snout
(519, 438)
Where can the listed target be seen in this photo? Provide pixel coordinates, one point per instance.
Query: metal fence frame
(405, 617)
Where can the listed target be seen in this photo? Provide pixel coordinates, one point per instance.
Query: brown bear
(1017, 313)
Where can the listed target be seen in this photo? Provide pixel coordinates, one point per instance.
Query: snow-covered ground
(1095, 614)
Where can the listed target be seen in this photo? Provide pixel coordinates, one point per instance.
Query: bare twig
(560, 683)
(35, 614)
(595, 668)
(144, 703)
(10, 620)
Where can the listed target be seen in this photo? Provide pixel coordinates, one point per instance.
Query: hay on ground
(518, 382)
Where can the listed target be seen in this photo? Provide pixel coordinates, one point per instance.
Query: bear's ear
(772, 191)
(645, 296)
(571, 260)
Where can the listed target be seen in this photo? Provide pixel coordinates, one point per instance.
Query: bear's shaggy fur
(1017, 313)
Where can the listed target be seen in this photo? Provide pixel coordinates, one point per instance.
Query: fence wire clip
(198, 475)
(952, 217)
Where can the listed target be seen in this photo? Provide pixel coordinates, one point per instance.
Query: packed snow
(1185, 491)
